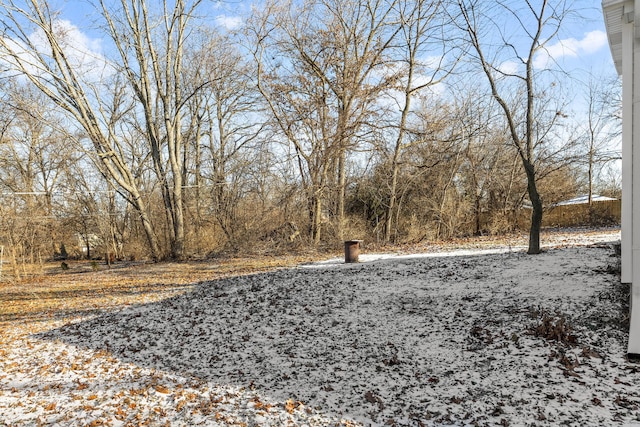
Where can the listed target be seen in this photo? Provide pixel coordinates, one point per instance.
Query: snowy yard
(473, 337)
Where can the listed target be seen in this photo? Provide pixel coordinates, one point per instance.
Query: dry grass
(87, 287)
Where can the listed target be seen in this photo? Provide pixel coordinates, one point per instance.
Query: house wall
(622, 18)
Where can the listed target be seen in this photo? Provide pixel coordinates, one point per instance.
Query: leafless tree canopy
(315, 121)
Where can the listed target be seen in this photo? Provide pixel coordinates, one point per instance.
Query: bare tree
(227, 125)
(601, 128)
(35, 44)
(425, 60)
(151, 54)
(34, 158)
(144, 84)
(500, 32)
(316, 71)
(489, 160)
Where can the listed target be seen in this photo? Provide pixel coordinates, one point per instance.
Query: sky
(582, 44)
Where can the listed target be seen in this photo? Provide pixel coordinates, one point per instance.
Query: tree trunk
(342, 183)
(536, 214)
(396, 156)
(392, 199)
(590, 173)
(315, 214)
(478, 225)
(177, 247)
(148, 228)
(175, 149)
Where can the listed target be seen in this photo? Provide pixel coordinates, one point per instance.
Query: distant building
(622, 19)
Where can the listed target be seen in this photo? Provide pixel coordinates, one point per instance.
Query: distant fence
(606, 212)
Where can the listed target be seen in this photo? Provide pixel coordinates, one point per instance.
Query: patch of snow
(391, 256)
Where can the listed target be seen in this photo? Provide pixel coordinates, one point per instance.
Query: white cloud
(593, 41)
(571, 48)
(229, 23)
(432, 62)
(508, 67)
(73, 36)
(83, 53)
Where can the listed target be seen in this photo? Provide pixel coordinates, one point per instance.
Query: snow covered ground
(476, 337)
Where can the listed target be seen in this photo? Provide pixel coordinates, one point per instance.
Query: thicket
(309, 125)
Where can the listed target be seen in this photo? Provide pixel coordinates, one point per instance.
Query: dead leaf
(120, 414)
(161, 389)
(291, 405)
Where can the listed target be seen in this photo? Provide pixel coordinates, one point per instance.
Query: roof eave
(614, 12)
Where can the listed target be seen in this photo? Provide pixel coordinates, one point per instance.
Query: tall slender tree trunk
(342, 183)
(177, 213)
(590, 173)
(177, 247)
(198, 219)
(315, 213)
(477, 212)
(395, 167)
(392, 199)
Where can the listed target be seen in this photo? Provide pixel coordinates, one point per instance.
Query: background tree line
(318, 120)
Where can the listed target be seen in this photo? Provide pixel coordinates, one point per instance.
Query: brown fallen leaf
(161, 389)
(291, 405)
